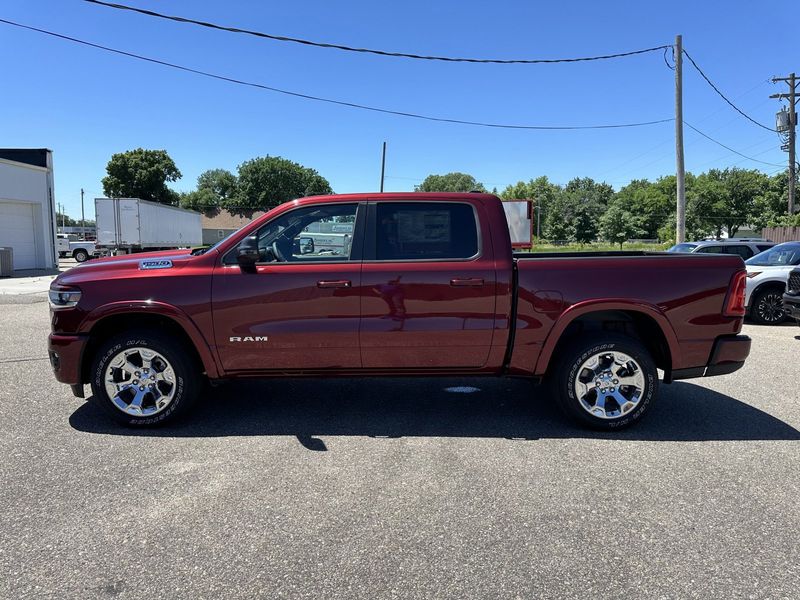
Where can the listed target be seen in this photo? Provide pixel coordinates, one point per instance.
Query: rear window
(763, 247)
(744, 251)
(425, 230)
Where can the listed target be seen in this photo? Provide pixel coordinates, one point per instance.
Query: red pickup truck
(394, 284)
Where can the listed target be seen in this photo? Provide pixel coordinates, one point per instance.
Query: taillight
(734, 303)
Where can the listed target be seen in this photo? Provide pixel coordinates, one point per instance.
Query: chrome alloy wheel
(140, 382)
(770, 307)
(609, 384)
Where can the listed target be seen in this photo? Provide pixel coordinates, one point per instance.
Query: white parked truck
(127, 225)
(77, 249)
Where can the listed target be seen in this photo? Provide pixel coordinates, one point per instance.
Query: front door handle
(467, 282)
(336, 283)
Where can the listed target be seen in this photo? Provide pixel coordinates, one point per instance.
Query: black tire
(186, 374)
(763, 307)
(580, 350)
(80, 255)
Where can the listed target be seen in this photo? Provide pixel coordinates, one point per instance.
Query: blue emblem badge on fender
(144, 265)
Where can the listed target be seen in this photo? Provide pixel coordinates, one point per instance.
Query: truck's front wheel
(605, 381)
(80, 255)
(144, 379)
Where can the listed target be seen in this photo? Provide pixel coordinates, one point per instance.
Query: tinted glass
(425, 230)
(743, 251)
(710, 250)
(762, 247)
(780, 255)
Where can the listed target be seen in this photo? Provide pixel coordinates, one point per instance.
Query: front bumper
(727, 355)
(791, 306)
(66, 352)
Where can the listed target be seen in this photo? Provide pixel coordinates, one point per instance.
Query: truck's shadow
(393, 408)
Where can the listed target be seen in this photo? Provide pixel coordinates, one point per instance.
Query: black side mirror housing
(247, 254)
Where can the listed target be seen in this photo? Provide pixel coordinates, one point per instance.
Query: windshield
(782, 255)
(682, 248)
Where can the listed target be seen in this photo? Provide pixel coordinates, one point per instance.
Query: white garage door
(16, 230)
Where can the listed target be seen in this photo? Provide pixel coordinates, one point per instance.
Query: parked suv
(791, 299)
(766, 282)
(744, 247)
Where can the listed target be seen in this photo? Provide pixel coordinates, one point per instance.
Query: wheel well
(114, 324)
(631, 323)
(779, 285)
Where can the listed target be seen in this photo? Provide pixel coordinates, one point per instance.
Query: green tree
(771, 204)
(268, 181)
(647, 201)
(141, 174)
(584, 225)
(576, 209)
(450, 182)
(221, 182)
(618, 225)
(725, 199)
(214, 187)
(201, 200)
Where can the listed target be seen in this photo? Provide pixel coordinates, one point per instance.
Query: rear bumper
(727, 355)
(791, 306)
(65, 352)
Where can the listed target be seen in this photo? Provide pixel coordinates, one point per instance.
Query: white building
(27, 207)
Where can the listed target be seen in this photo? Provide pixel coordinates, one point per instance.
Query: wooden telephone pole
(791, 127)
(680, 176)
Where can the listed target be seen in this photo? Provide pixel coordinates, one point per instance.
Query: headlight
(64, 298)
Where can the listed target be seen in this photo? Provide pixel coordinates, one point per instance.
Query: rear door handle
(336, 283)
(467, 282)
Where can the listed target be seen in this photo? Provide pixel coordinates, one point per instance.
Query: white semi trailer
(127, 225)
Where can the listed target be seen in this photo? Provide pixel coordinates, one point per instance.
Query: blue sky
(85, 104)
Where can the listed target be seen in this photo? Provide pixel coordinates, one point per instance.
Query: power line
(283, 38)
(716, 89)
(708, 137)
(330, 100)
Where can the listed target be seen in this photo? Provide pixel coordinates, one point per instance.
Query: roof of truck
(403, 196)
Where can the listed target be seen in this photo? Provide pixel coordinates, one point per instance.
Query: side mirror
(307, 245)
(247, 254)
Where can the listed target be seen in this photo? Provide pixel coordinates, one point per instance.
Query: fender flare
(161, 309)
(589, 306)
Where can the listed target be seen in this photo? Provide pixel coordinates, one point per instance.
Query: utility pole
(680, 230)
(83, 220)
(791, 127)
(383, 165)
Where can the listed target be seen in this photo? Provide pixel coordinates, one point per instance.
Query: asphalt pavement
(393, 488)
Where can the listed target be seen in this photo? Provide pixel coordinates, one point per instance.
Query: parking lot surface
(392, 488)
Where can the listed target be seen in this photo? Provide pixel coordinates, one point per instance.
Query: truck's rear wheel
(80, 255)
(605, 381)
(144, 379)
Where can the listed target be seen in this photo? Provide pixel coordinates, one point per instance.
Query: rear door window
(425, 231)
(744, 251)
(710, 250)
